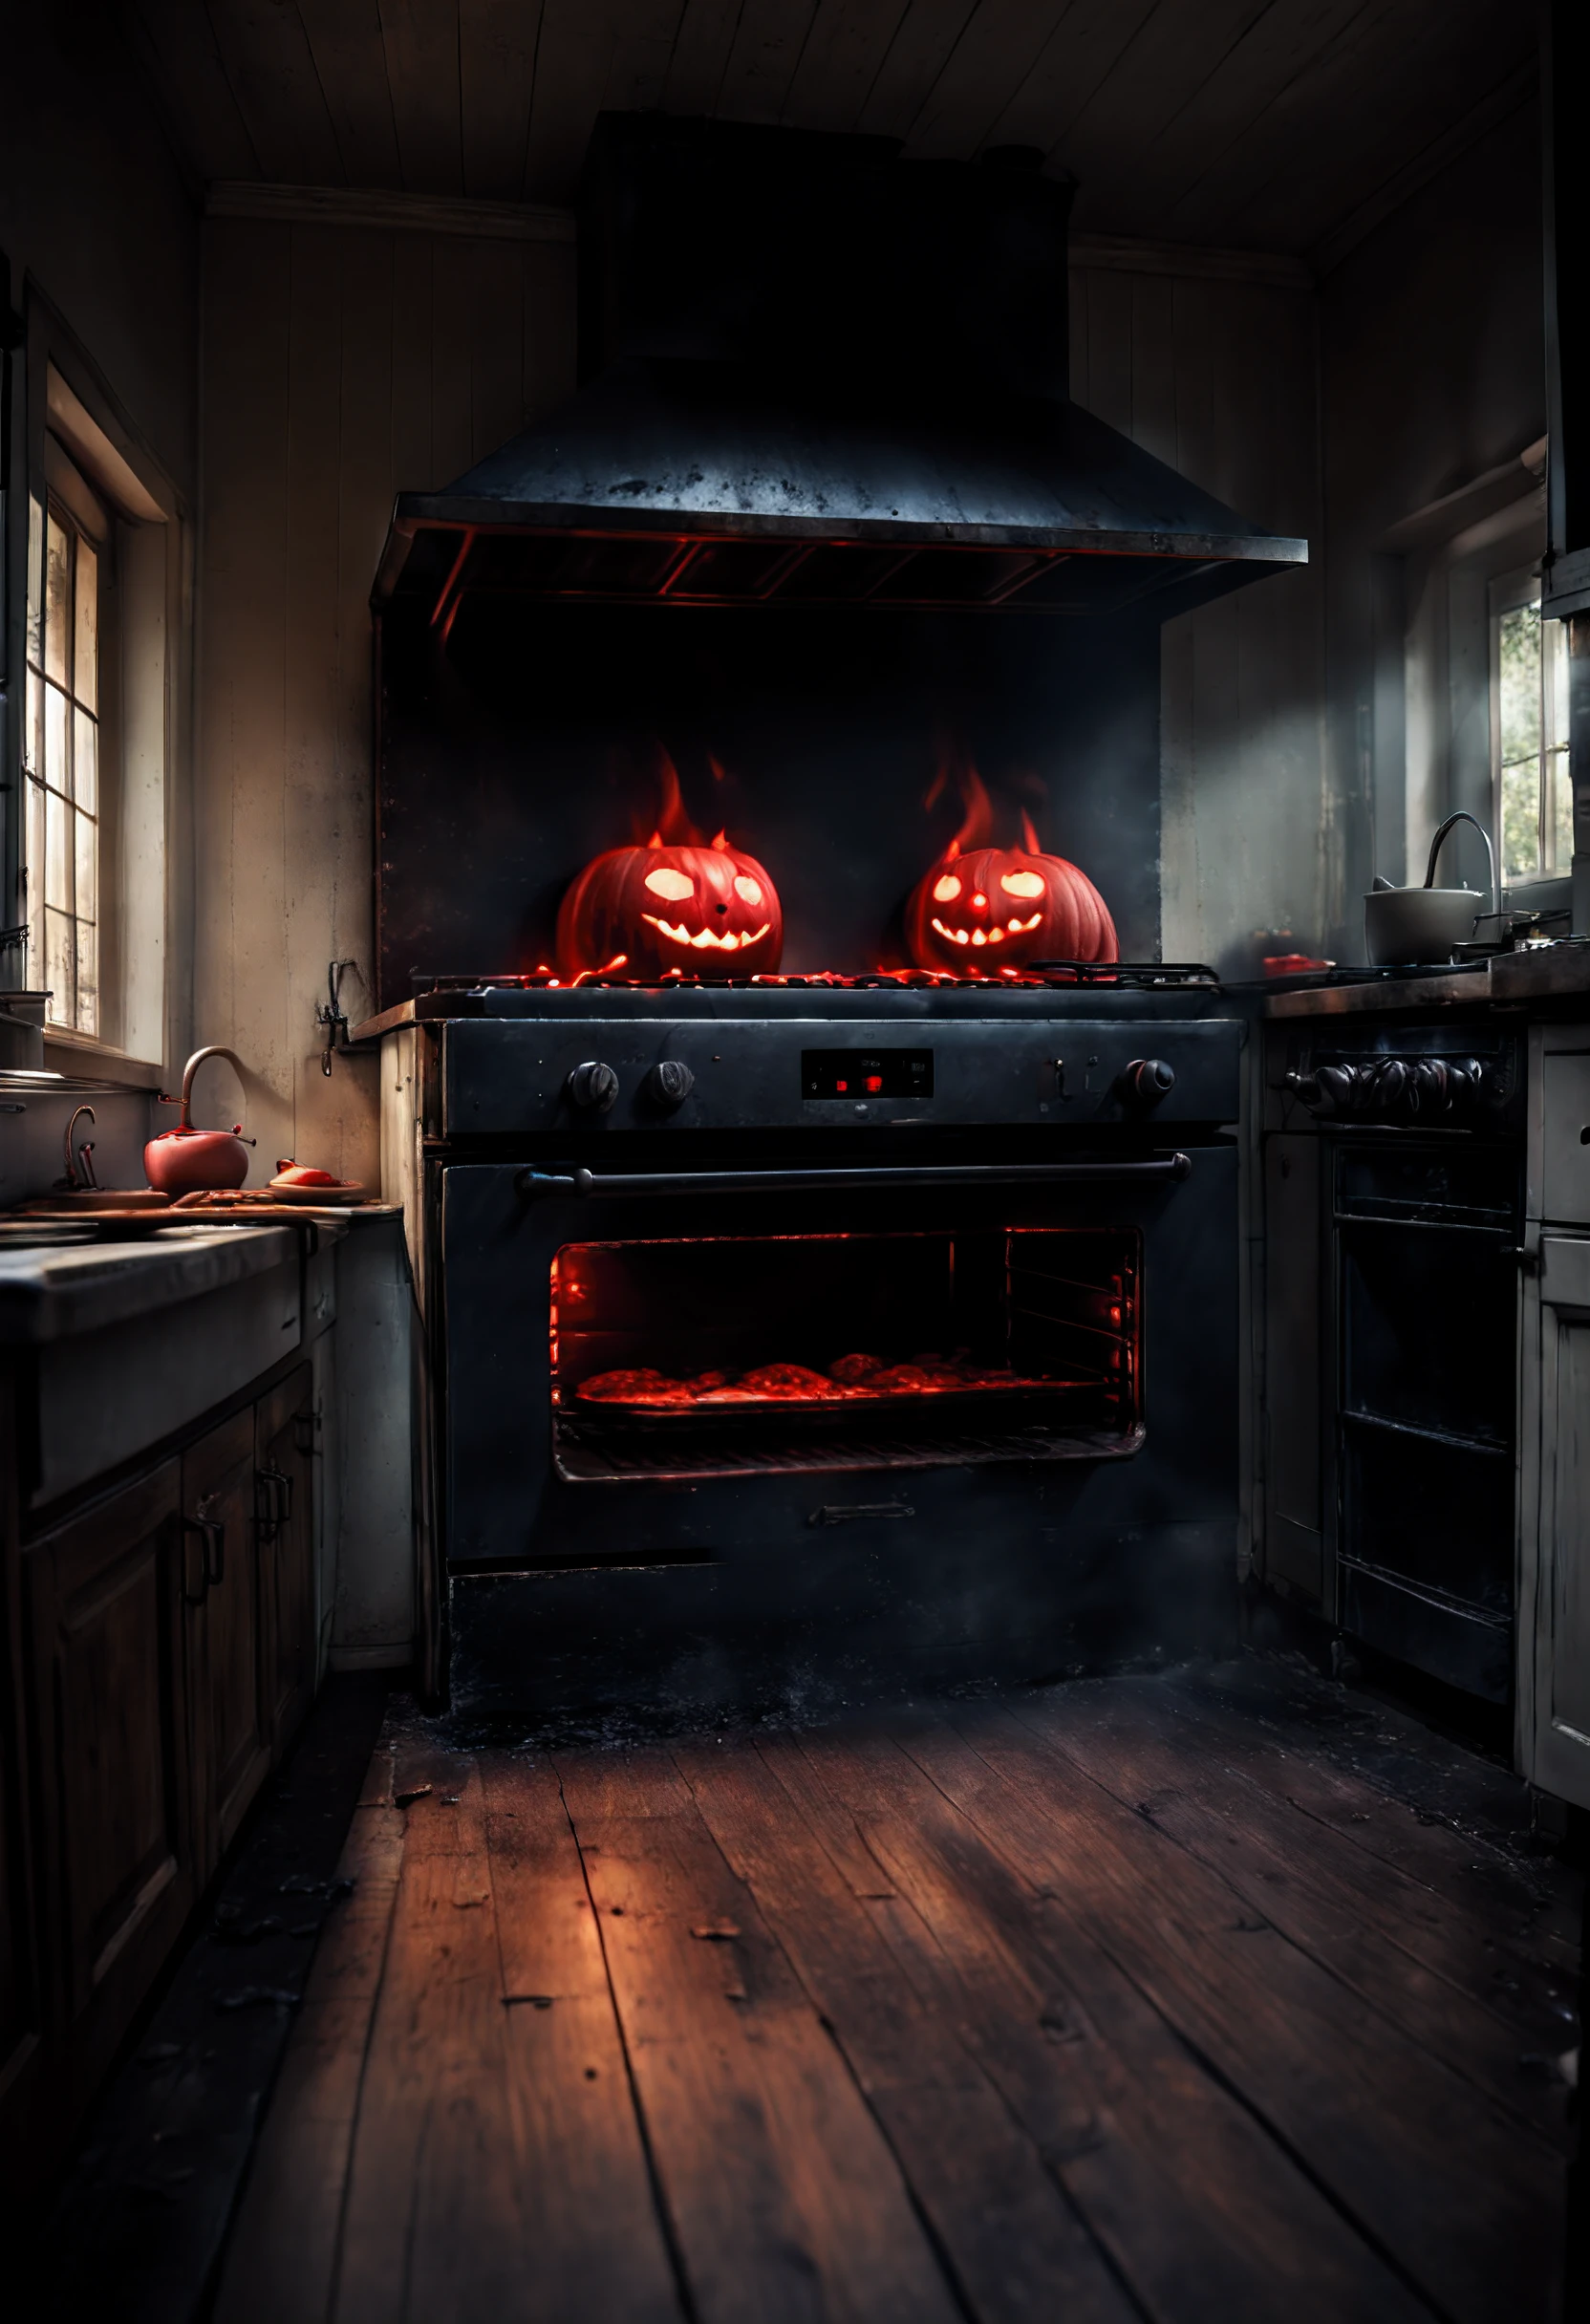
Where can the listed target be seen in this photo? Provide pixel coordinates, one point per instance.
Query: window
(1529, 734)
(62, 765)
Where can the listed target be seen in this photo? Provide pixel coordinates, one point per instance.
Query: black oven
(1422, 1180)
(760, 1418)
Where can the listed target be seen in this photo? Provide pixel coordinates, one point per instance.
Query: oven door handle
(1163, 1170)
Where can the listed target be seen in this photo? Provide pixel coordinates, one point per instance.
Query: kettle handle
(1462, 816)
(185, 1120)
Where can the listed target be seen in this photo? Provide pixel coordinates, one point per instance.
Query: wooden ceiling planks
(177, 49)
(271, 72)
(924, 41)
(345, 42)
(992, 58)
(1266, 124)
(1400, 87)
(843, 54)
(420, 42)
(701, 49)
(497, 58)
(767, 45)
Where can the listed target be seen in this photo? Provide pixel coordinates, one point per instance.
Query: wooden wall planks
(340, 365)
(1218, 377)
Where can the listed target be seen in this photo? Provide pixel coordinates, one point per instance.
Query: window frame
(1507, 594)
(146, 588)
(86, 524)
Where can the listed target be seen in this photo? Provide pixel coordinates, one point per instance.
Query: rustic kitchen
(794, 1160)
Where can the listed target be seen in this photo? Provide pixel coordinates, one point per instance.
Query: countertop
(53, 1291)
(1513, 980)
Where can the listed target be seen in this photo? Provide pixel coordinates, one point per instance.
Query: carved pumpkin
(984, 909)
(672, 907)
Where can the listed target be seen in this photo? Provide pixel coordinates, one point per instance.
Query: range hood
(815, 374)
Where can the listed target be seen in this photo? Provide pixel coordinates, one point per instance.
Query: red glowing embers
(984, 910)
(848, 1382)
(672, 908)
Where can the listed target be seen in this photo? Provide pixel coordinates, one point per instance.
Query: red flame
(977, 824)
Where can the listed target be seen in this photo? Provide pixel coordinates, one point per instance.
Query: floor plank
(1391, 1939)
(1468, 2208)
(1012, 2236)
(1138, 1999)
(785, 2200)
(433, 2227)
(1203, 2215)
(300, 2166)
(583, 2181)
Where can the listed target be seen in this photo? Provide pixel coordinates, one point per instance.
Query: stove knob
(670, 1083)
(1146, 1080)
(592, 1088)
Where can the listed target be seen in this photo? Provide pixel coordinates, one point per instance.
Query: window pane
(1520, 682)
(33, 727)
(1556, 685)
(1521, 820)
(57, 852)
(55, 768)
(35, 869)
(85, 653)
(85, 760)
(86, 848)
(57, 600)
(86, 1016)
(1562, 812)
(60, 950)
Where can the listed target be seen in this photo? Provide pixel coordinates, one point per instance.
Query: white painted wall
(341, 365)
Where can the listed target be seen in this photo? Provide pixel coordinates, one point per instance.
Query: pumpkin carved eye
(676, 886)
(748, 889)
(946, 890)
(1022, 883)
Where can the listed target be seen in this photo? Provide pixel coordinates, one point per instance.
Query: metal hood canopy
(818, 375)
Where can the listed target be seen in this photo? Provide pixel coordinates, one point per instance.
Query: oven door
(992, 1394)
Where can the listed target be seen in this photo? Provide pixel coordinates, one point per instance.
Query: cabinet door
(1554, 1583)
(104, 1617)
(284, 1423)
(231, 1721)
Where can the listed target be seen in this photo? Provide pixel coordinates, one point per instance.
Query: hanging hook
(331, 1014)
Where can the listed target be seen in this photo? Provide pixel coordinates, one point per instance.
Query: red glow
(850, 1381)
(874, 1082)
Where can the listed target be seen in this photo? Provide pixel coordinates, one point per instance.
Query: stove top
(1136, 976)
(1051, 989)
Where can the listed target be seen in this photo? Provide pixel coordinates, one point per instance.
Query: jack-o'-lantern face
(983, 910)
(674, 908)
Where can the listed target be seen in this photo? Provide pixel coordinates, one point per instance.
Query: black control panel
(863, 1073)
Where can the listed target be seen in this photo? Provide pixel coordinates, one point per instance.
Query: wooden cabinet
(1554, 1594)
(164, 1653)
(110, 1752)
(224, 1612)
(284, 1423)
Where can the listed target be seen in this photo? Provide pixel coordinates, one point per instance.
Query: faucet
(80, 1175)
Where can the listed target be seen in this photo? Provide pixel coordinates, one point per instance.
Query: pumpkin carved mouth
(706, 939)
(990, 935)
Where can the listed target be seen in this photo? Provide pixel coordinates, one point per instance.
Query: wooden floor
(1219, 1996)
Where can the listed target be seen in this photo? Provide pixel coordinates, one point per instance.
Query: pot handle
(185, 1120)
(1462, 816)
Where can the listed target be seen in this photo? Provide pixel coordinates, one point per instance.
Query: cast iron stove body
(789, 1342)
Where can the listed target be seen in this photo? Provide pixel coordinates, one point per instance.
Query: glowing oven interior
(748, 1353)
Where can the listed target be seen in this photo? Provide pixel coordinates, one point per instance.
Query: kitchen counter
(55, 1292)
(1513, 980)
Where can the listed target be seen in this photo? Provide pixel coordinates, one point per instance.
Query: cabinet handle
(279, 1486)
(212, 1569)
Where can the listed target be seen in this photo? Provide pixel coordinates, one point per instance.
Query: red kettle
(189, 1161)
